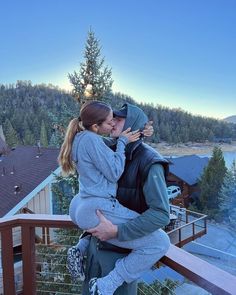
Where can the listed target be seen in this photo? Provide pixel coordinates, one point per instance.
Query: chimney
(13, 170)
(39, 153)
(17, 189)
(3, 171)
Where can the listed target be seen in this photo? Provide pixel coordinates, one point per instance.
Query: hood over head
(134, 116)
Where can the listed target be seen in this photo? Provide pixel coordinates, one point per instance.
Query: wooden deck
(187, 227)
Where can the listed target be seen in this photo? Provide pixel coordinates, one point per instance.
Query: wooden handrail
(37, 220)
(188, 224)
(202, 273)
(195, 269)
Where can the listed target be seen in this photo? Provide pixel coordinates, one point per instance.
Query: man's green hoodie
(154, 189)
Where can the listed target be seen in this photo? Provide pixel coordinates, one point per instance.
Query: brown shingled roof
(25, 168)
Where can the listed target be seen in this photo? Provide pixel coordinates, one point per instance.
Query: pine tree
(10, 134)
(55, 139)
(43, 135)
(94, 79)
(211, 183)
(228, 196)
(92, 82)
(36, 128)
(29, 138)
(60, 121)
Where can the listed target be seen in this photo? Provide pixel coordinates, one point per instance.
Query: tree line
(29, 114)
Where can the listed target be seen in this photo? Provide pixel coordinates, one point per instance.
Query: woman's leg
(147, 249)
(83, 211)
(146, 252)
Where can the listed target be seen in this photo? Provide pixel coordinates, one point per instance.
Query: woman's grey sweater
(99, 167)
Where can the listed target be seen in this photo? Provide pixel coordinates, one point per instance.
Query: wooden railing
(203, 274)
(187, 227)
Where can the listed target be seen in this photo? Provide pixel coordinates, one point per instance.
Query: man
(141, 188)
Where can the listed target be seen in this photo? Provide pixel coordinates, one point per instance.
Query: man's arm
(157, 215)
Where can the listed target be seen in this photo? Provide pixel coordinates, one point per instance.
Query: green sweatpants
(100, 263)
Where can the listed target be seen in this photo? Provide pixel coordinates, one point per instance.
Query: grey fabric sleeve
(110, 164)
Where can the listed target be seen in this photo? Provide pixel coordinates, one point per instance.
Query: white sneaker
(93, 288)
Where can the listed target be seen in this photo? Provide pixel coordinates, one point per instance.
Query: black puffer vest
(139, 159)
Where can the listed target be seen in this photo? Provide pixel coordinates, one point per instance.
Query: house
(26, 175)
(185, 172)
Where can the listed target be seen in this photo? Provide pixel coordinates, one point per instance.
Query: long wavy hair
(93, 112)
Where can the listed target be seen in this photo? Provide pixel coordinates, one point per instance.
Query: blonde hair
(93, 112)
(64, 158)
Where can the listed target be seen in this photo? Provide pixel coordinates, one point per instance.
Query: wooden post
(180, 242)
(193, 229)
(8, 261)
(28, 258)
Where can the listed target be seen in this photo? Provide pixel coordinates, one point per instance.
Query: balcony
(41, 232)
(186, 226)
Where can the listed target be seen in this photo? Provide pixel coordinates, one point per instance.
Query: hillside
(231, 119)
(30, 113)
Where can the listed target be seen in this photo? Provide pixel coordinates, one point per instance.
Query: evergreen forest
(29, 114)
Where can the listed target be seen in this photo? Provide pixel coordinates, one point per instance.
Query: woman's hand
(105, 230)
(132, 136)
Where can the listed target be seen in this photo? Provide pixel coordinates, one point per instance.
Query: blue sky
(177, 53)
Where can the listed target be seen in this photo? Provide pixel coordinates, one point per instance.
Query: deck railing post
(186, 217)
(193, 229)
(8, 261)
(180, 243)
(28, 259)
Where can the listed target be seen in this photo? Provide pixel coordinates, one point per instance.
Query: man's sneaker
(75, 264)
(93, 288)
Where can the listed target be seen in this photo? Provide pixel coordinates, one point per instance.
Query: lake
(228, 156)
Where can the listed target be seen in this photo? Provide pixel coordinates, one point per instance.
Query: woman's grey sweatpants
(145, 250)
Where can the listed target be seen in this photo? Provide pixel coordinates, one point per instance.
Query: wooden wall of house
(41, 202)
(173, 180)
(186, 190)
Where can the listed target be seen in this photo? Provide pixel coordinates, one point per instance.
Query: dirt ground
(192, 148)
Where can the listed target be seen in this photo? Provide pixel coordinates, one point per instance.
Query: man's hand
(105, 230)
(148, 129)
